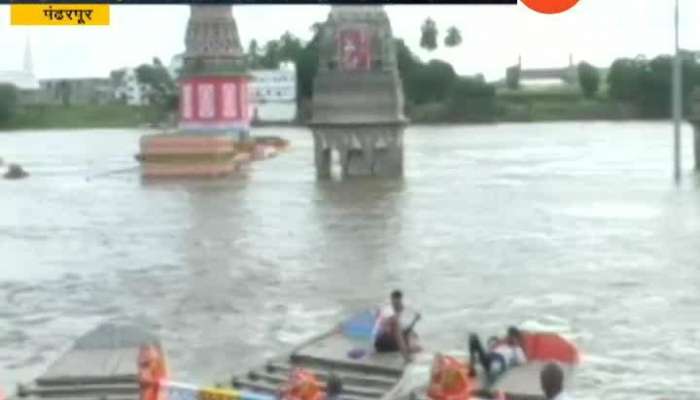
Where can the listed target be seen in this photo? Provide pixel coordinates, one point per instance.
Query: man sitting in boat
(502, 354)
(392, 333)
(552, 381)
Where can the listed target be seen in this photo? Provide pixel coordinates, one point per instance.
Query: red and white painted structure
(214, 104)
(214, 108)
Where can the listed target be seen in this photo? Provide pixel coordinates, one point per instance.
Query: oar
(413, 323)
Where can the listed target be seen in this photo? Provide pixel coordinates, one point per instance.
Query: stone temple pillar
(358, 101)
(213, 102)
(694, 119)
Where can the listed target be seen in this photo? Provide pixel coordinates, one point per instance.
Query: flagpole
(677, 102)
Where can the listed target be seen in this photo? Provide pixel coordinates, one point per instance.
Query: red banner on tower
(354, 48)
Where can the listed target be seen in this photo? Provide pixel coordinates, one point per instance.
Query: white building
(24, 79)
(273, 94)
(127, 88)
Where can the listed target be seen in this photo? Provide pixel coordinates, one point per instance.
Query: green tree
(434, 81)
(647, 84)
(8, 102)
(289, 47)
(589, 79)
(655, 88)
(471, 99)
(513, 77)
(624, 79)
(159, 88)
(453, 38)
(429, 35)
(409, 65)
(117, 76)
(406, 60)
(423, 83)
(253, 56)
(65, 90)
(307, 64)
(316, 28)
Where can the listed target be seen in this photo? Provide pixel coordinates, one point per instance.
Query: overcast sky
(597, 31)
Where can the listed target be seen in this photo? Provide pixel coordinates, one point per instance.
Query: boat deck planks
(334, 350)
(368, 377)
(101, 365)
(93, 364)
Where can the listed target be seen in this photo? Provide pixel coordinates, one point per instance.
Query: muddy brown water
(574, 227)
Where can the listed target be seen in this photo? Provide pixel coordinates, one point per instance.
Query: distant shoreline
(4, 130)
(512, 108)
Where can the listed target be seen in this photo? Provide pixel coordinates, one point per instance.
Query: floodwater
(574, 227)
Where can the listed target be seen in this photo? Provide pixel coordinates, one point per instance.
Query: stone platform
(182, 155)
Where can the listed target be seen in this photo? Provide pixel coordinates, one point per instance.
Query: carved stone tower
(358, 98)
(213, 102)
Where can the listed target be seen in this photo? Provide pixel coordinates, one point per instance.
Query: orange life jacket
(152, 370)
(302, 385)
(449, 380)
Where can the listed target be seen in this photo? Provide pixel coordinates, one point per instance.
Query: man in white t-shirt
(392, 332)
(552, 382)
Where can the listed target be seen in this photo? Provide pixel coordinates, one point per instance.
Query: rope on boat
(112, 172)
(182, 391)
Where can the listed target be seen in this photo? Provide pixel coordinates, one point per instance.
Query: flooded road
(575, 227)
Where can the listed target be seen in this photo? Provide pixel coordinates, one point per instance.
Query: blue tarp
(361, 325)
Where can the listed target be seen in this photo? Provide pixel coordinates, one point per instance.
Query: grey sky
(595, 30)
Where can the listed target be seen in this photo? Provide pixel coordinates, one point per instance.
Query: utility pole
(677, 102)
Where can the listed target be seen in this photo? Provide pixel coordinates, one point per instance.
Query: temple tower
(214, 82)
(213, 102)
(358, 98)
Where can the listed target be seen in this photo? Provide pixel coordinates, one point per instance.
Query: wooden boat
(347, 352)
(541, 348)
(523, 382)
(101, 365)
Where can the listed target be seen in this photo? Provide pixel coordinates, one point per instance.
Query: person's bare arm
(400, 339)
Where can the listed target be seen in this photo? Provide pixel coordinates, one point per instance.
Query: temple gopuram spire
(212, 42)
(214, 115)
(358, 103)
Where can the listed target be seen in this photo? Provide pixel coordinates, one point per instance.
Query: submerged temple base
(182, 155)
(694, 119)
(697, 149)
(368, 151)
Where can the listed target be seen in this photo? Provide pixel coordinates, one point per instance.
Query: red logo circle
(550, 6)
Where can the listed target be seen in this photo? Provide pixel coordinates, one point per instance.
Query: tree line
(639, 82)
(434, 83)
(431, 87)
(646, 84)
